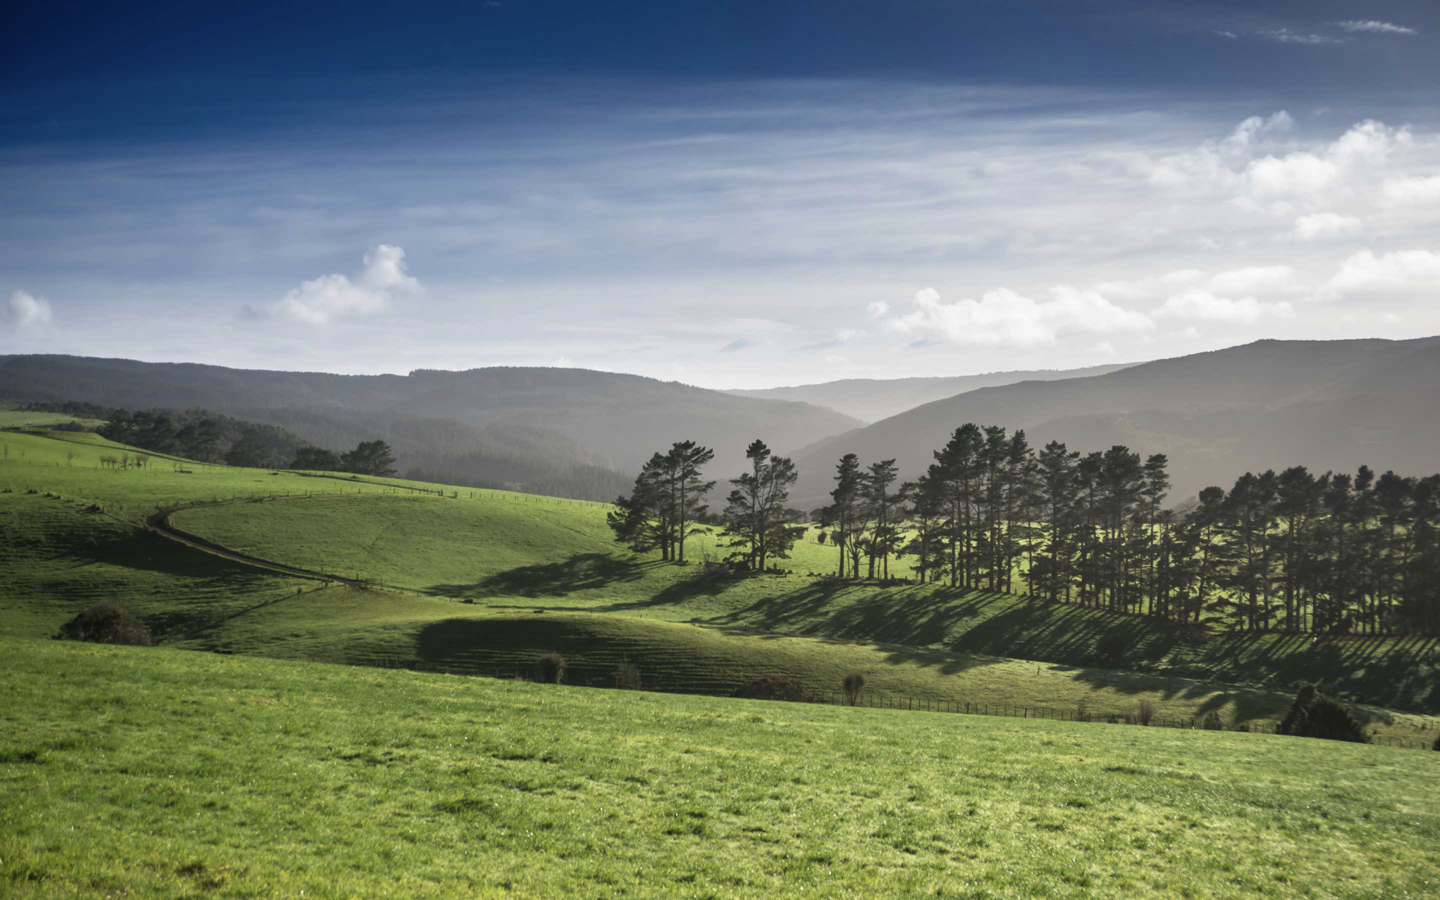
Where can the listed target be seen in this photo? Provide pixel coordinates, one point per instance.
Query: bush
(627, 676)
(1211, 722)
(1437, 744)
(1315, 715)
(1112, 648)
(854, 683)
(551, 668)
(1145, 712)
(106, 623)
(772, 687)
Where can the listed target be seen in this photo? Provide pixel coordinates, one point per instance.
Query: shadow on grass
(581, 572)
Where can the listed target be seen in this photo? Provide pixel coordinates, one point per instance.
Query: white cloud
(877, 309)
(1255, 279)
(28, 311)
(1286, 36)
(1202, 305)
(1417, 189)
(1004, 318)
(1404, 271)
(1374, 26)
(1325, 225)
(329, 297)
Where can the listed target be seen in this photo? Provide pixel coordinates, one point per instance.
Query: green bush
(854, 683)
(1211, 722)
(551, 668)
(1112, 649)
(627, 676)
(106, 623)
(1315, 715)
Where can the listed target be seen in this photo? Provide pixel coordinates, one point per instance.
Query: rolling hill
(496, 425)
(873, 399)
(1328, 405)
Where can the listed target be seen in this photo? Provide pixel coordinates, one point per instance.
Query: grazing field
(78, 541)
(129, 771)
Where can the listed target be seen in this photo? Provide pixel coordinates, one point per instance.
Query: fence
(869, 699)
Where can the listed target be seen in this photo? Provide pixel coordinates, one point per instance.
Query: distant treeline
(1295, 551)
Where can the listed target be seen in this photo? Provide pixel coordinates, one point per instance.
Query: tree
(881, 506)
(755, 520)
(687, 488)
(316, 459)
(845, 502)
(643, 520)
(369, 458)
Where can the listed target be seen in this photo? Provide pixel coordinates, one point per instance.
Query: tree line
(1294, 551)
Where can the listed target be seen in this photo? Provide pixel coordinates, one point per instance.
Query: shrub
(627, 676)
(772, 687)
(1145, 712)
(1211, 722)
(1111, 649)
(1082, 711)
(106, 623)
(1437, 744)
(854, 683)
(1315, 715)
(551, 668)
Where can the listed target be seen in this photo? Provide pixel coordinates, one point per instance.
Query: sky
(728, 194)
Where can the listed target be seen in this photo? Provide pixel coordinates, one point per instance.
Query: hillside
(485, 581)
(149, 772)
(496, 425)
(1328, 405)
(873, 399)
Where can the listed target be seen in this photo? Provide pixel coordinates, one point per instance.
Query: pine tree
(755, 520)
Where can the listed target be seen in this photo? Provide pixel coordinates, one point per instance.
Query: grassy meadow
(485, 581)
(145, 772)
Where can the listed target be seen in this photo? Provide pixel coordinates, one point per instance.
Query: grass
(511, 554)
(156, 772)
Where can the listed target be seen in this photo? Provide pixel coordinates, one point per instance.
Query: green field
(145, 772)
(539, 575)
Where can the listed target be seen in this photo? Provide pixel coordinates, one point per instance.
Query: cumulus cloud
(1403, 271)
(28, 311)
(1325, 225)
(1374, 26)
(1004, 318)
(1415, 189)
(877, 309)
(1255, 279)
(330, 297)
(1201, 305)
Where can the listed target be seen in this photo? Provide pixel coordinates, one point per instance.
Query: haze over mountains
(569, 431)
(1324, 404)
(1269, 404)
(873, 399)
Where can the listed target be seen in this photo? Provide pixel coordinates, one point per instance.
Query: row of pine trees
(1294, 551)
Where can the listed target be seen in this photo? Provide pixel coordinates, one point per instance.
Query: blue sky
(728, 194)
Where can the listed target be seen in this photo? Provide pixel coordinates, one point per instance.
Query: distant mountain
(487, 425)
(1329, 405)
(872, 399)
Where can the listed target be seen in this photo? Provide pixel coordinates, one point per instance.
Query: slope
(873, 399)
(1329, 405)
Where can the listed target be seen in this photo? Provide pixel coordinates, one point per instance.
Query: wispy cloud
(737, 345)
(1287, 36)
(1374, 26)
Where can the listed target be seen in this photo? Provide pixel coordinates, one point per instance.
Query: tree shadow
(581, 572)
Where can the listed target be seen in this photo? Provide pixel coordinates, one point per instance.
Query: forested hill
(514, 425)
(872, 399)
(1270, 404)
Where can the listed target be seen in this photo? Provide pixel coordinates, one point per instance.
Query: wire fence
(869, 699)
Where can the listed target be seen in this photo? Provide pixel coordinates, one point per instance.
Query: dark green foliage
(551, 668)
(316, 459)
(772, 687)
(756, 522)
(854, 683)
(369, 458)
(106, 623)
(1315, 715)
(202, 435)
(1211, 722)
(1144, 712)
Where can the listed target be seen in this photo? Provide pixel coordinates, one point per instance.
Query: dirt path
(159, 522)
